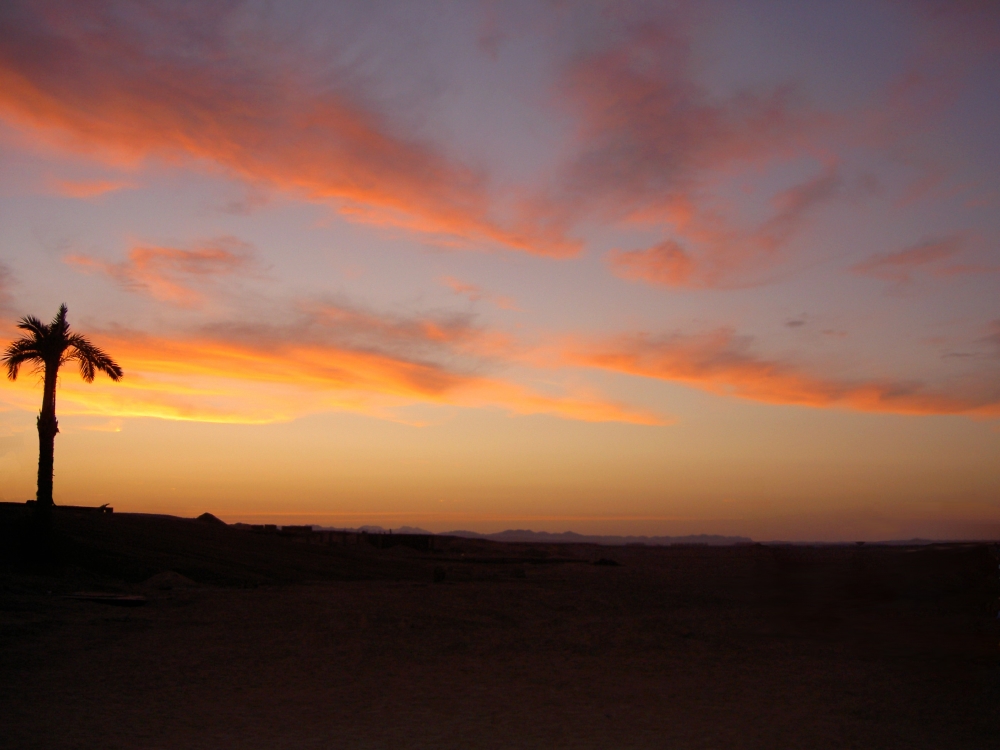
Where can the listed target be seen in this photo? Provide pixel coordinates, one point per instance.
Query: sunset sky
(630, 268)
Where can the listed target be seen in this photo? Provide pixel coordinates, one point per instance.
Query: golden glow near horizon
(649, 271)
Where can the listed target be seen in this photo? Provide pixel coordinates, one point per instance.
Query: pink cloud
(653, 144)
(415, 336)
(476, 293)
(926, 257)
(721, 255)
(649, 132)
(791, 208)
(171, 274)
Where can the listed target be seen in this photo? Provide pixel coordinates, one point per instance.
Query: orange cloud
(150, 83)
(721, 362)
(208, 379)
(329, 357)
(167, 273)
(87, 188)
(665, 264)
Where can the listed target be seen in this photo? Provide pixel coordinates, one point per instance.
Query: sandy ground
(750, 647)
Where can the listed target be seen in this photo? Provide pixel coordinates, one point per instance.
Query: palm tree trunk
(48, 428)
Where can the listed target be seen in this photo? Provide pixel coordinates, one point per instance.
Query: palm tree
(48, 347)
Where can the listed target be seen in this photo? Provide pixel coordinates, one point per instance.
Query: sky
(610, 267)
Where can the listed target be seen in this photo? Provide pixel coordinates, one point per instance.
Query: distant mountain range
(569, 537)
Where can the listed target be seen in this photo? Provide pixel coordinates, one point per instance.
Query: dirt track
(678, 647)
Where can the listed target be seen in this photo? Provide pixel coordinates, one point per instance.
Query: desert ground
(263, 640)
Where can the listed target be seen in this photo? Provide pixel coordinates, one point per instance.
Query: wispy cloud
(723, 362)
(927, 257)
(172, 274)
(476, 293)
(653, 144)
(173, 82)
(273, 379)
(665, 264)
(400, 336)
(649, 130)
(724, 255)
(87, 188)
(792, 206)
(325, 357)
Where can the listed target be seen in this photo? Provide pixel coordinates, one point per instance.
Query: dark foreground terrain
(256, 640)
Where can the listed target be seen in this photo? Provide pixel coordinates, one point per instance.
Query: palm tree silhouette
(48, 347)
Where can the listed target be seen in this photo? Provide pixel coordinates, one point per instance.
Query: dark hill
(132, 547)
(265, 637)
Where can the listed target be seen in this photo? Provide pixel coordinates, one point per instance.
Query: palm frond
(34, 325)
(59, 327)
(51, 345)
(92, 358)
(21, 351)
